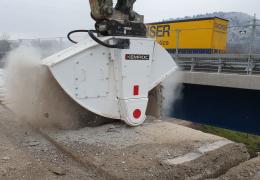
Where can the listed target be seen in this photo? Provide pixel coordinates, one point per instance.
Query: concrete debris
(34, 143)
(57, 171)
(4, 172)
(6, 158)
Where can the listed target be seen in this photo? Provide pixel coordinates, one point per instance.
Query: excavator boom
(118, 21)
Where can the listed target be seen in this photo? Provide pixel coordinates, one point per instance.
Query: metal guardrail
(220, 63)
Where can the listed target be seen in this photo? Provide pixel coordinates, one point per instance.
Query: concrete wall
(221, 80)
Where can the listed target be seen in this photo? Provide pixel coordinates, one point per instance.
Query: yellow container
(199, 36)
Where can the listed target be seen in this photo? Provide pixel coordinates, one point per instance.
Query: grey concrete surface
(142, 152)
(221, 80)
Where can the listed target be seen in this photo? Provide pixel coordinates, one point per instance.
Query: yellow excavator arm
(103, 9)
(120, 20)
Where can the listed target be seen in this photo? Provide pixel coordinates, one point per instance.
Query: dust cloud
(171, 91)
(34, 95)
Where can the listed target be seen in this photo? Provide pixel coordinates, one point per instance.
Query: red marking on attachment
(137, 113)
(136, 90)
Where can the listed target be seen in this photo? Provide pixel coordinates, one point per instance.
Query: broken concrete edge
(211, 165)
(197, 153)
(247, 170)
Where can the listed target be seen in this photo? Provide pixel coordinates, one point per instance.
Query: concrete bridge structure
(227, 70)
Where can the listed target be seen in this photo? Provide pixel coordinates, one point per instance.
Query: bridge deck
(224, 70)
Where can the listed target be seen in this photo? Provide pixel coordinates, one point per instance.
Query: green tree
(4, 42)
(5, 45)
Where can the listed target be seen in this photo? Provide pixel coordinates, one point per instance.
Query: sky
(55, 18)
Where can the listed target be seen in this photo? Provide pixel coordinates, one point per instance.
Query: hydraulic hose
(122, 43)
(76, 31)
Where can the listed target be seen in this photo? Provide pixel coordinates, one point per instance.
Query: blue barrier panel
(235, 109)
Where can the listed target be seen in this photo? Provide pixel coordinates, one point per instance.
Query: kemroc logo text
(137, 57)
